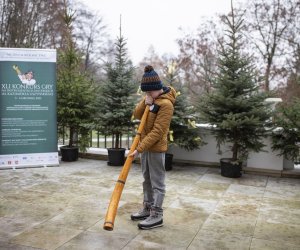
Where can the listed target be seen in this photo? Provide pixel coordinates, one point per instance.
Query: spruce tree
(183, 131)
(235, 105)
(115, 106)
(75, 90)
(286, 136)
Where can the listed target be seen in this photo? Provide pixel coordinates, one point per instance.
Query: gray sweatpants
(153, 168)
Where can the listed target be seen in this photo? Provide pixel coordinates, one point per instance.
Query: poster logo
(27, 78)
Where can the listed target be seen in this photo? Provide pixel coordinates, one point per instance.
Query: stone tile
(280, 211)
(182, 182)
(243, 225)
(17, 181)
(283, 188)
(283, 193)
(48, 185)
(217, 178)
(247, 201)
(97, 202)
(191, 170)
(60, 198)
(280, 204)
(58, 203)
(7, 246)
(206, 190)
(38, 212)
(245, 190)
(192, 203)
(234, 215)
(252, 180)
(95, 240)
(207, 240)
(184, 174)
(190, 220)
(80, 219)
(283, 182)
(45, 237)
(89, 187)
(213, 170)
(288, 233)
(210, 185)
(258, 244)
(170, 198)
(13, 226)
(166, 237)
(25, 195)
(127, 208)
(123, 225)
(9, 206)
(139, 244)
(237, 209)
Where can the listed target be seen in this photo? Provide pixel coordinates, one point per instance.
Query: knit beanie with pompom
(150, 80)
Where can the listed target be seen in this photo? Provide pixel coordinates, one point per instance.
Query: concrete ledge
(93, 156)
(196, 163)
(262, 171)
(295, 173)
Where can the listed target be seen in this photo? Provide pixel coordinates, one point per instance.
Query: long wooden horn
(116, 195)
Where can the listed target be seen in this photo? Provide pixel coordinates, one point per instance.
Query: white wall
(266, 160)
(208, 154)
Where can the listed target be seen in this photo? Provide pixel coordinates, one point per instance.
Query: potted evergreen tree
(183, 132)
(75, 96)
(286, 136)
(115, 102)
(235, 106)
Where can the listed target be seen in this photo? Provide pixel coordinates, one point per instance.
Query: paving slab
(64, 208)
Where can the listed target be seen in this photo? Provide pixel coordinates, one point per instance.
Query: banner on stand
(28, 127)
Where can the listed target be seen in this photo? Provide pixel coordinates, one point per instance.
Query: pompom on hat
(150, 80)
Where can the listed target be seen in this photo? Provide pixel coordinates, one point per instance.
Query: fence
(98, 140)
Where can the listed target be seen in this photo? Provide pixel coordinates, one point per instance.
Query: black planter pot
(230, 169)
(116, 156)
(69, 153)
(168, 162)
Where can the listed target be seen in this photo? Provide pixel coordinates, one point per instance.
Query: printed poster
(28, 128)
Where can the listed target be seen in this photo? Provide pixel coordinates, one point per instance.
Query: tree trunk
(117, 143)
(234, 152)
(71, 137)
(267, 78)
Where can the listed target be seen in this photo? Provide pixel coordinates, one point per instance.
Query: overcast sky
(155, 22)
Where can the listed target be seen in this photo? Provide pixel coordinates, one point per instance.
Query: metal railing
(98, 140)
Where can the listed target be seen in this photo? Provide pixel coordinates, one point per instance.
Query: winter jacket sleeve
(161, 125)
(139, 109)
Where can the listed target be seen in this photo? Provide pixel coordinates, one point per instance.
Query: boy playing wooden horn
(153, 145)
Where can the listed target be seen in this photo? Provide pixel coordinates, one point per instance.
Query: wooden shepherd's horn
(116, 195)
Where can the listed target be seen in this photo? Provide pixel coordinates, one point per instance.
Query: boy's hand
(134, 154)
(149, 100)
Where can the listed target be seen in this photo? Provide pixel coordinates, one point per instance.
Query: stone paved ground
(64, 208)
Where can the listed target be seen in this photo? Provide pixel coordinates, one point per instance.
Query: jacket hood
(169, 93)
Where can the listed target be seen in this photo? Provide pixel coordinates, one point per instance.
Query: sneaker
(143, 213)
(154, 220)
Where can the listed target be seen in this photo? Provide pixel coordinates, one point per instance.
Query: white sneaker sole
(139, 218)
(150, 227)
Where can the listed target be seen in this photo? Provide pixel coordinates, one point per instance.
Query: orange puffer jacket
(155, 132)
